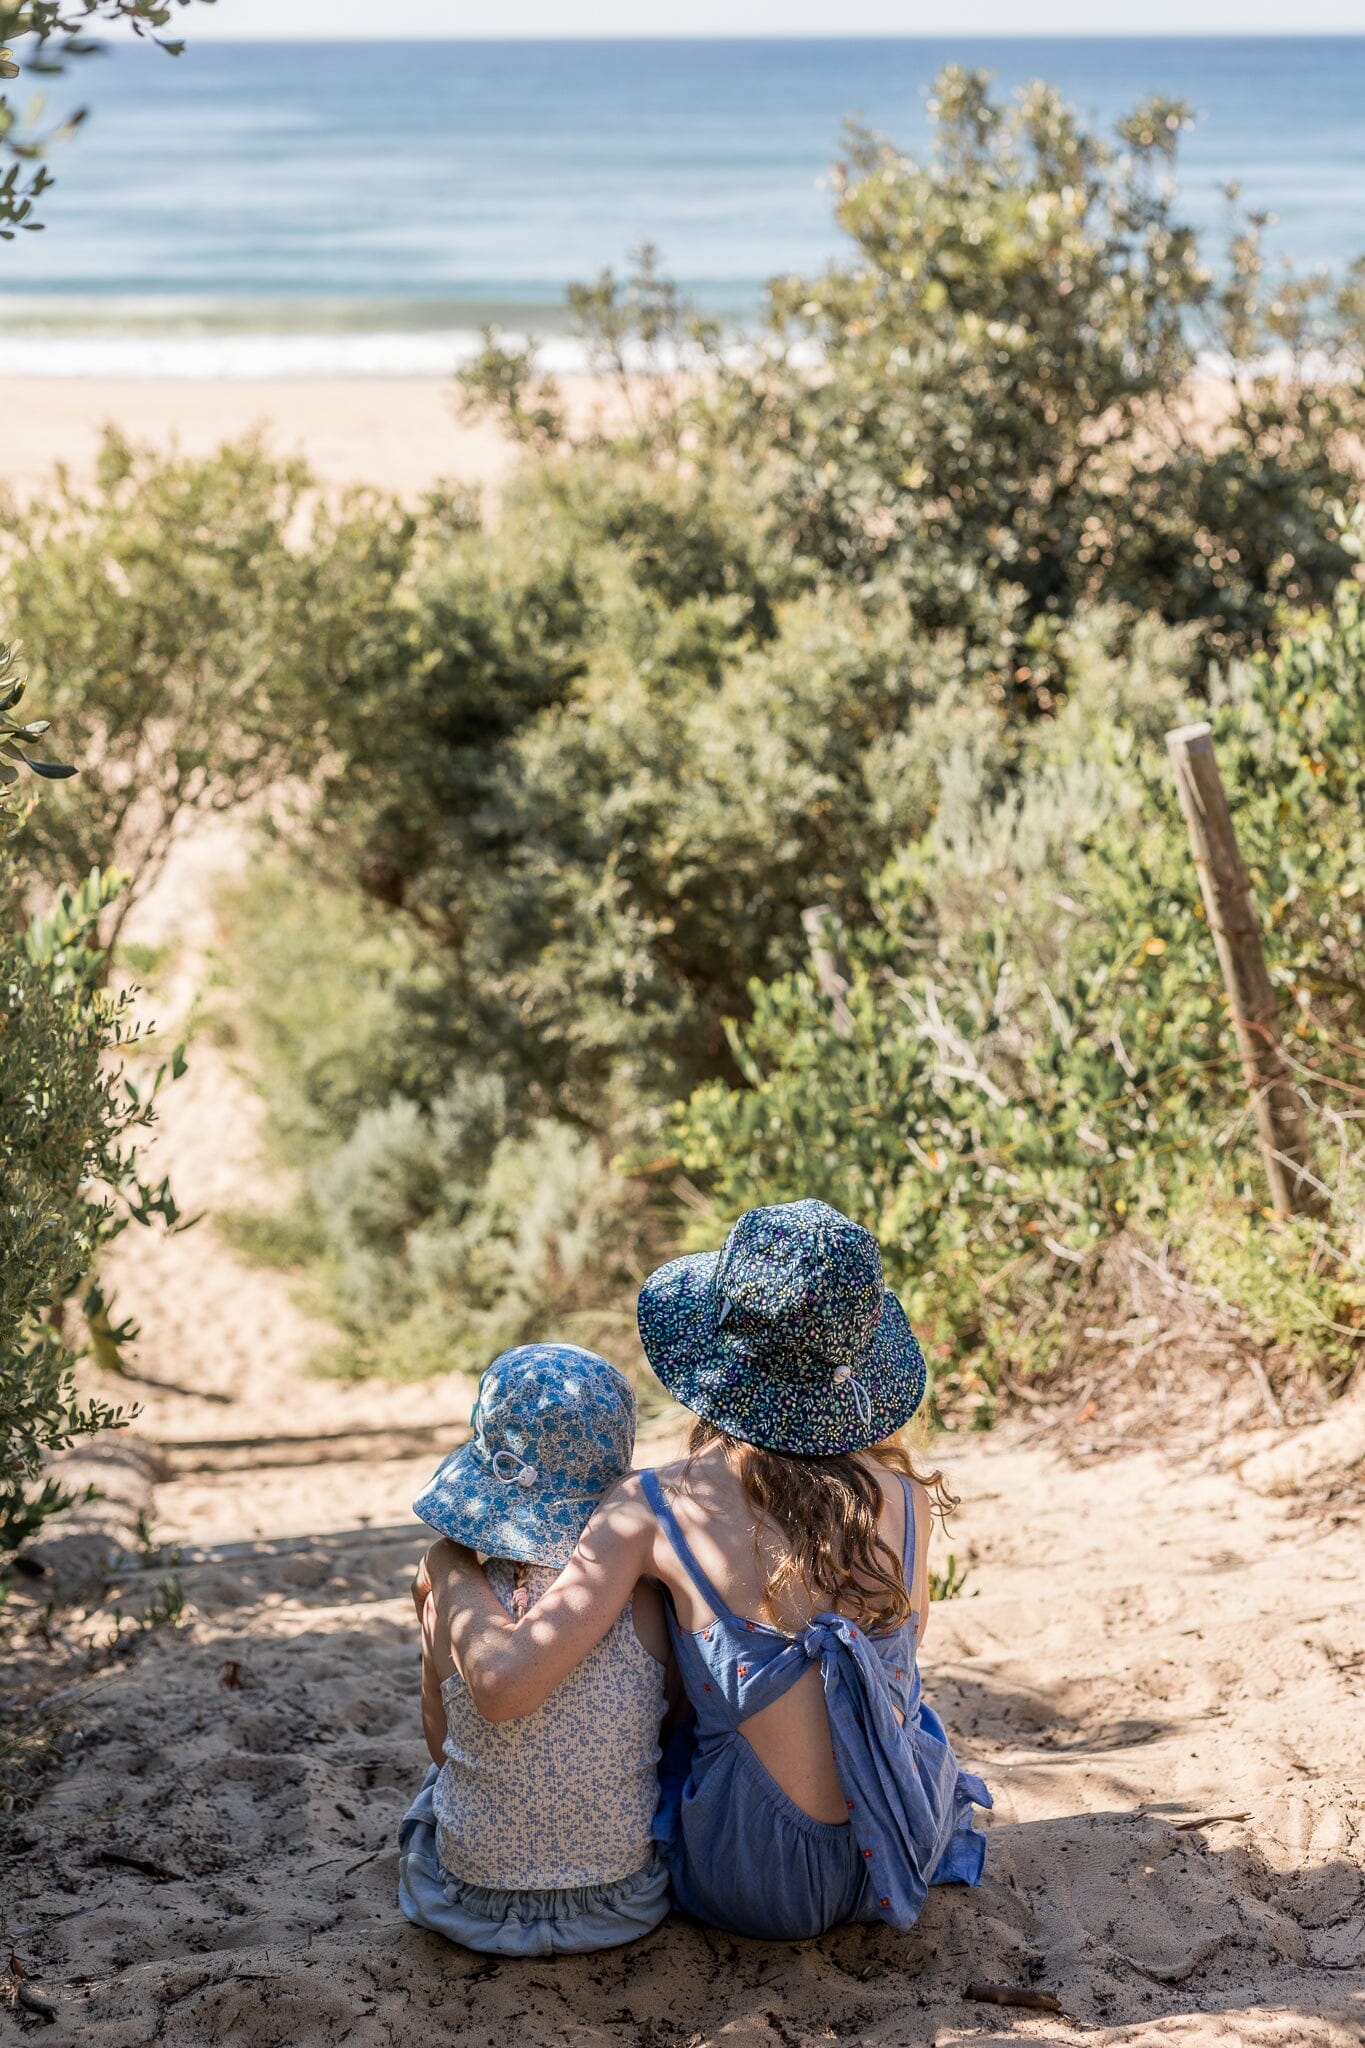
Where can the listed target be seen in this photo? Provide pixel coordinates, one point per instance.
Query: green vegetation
(69, 1111)
(69, 1118)
(1039, 1057)
(951, 1582)
(179, 637)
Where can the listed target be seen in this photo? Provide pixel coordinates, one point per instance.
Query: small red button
(868, 1854)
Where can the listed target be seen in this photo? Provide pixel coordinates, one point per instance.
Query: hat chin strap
(844, 1376)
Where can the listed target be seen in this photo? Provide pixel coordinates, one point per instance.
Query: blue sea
(300, 208)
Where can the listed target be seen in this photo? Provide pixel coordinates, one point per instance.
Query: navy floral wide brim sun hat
(554, 1429)
(787, 1338)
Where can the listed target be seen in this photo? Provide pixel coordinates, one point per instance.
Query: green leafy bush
(438, 1219)
(1039, 1056)
(69, 1109)
(183, 618)
(1000, 404)
(69, 1116)
(452, 1237)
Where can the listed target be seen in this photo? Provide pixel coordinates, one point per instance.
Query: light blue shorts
(498, 1923)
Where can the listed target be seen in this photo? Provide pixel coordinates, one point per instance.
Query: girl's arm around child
(511, 1666)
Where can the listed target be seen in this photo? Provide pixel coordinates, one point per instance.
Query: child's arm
(421, 1587)
(433, 1706)
(512, 1667)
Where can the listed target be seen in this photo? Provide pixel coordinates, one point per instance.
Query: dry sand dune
(1158, 1670)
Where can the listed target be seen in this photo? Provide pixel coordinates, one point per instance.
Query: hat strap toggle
(521, 1474)
(844, 1376)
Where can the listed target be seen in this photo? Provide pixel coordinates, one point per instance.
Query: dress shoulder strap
(908, 1546)
(668, 1522)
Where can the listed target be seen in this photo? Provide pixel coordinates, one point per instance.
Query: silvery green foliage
(183, 618)
(449, 1236)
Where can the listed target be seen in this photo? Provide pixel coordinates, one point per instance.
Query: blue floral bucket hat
(787, 1337)
(554, 1429)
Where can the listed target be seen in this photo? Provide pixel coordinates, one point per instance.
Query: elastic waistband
(570, 1903)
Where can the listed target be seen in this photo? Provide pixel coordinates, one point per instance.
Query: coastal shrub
(1023, 389)
(451, 1236)
(617, 759)
(70, 1111)
(437, 1216)
(70, 1181)
(1039, 1056)
(320, 975)
(886, 612)
(183, 618)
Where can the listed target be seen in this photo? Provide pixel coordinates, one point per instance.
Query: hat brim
(807, 1417)
(465, 1502)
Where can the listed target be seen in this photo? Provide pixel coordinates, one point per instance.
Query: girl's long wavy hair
(827, 1512)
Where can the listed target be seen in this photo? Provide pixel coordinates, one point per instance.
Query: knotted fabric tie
(905, 1794)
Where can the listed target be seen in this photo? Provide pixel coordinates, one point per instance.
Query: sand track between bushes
(1158, 1664)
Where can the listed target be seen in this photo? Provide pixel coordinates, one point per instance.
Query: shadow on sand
(218, 1862)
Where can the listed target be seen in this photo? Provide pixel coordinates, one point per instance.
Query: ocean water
(295, 208)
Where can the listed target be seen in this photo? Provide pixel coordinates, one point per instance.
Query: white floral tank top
(566, 1796)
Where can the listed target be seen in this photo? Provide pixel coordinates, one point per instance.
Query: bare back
(791, 1737)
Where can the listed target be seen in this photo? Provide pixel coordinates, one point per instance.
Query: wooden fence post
(1251, 999)
(831, 971)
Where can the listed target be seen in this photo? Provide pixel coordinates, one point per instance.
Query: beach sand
(396, 433)
(1157, 1663)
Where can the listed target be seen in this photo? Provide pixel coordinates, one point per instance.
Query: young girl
(793, 1546)
(535, 1838)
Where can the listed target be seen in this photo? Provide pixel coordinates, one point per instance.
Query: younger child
(793, 1546)
(534, 1837)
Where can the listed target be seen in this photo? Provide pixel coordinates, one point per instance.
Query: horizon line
(1174, 35)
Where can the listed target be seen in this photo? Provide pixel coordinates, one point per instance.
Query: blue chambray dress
(744, 1856)
(534, 1838)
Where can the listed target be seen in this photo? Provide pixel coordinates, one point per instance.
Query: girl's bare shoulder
(625, 1511)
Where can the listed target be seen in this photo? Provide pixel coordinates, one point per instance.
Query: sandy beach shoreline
(397, 434)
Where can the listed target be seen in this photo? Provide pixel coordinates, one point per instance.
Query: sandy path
(1170, 1636)
(221, 1364)
(1138, 1648)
